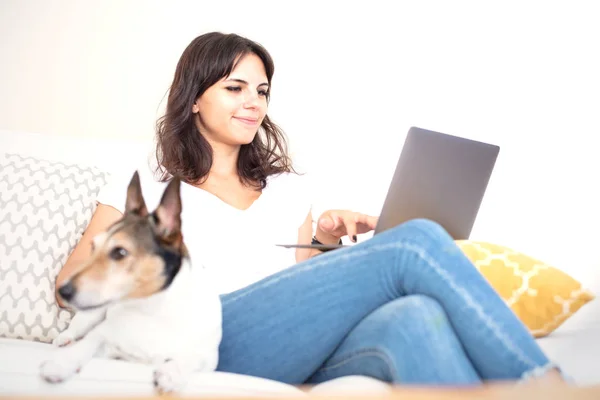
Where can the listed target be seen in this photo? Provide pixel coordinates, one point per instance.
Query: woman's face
(231, 111)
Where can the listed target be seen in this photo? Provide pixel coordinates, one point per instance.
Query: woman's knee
(413, 315)
(421, 228)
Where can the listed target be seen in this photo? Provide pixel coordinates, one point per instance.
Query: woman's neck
(224, 161)
(223, 168)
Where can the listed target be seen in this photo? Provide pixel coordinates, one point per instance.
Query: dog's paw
(54, 371)
(65, 338)
(169, 378)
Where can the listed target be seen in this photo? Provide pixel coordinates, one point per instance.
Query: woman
(405, 306)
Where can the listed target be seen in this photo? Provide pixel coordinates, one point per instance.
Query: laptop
(438, 176)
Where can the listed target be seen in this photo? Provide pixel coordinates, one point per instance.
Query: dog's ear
(168, 212)
(135, 203)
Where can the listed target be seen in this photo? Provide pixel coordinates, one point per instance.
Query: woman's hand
(333, 224)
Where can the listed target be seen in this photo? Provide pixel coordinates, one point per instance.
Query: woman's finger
(338, 221)
(351, 229)
(372, 221)
(329, 222)
(365, 223)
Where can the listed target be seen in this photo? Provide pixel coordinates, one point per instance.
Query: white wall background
(351, 78)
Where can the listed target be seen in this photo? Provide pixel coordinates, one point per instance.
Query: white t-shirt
(237, 247)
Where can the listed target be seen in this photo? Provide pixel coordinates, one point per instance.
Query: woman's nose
(251, 100)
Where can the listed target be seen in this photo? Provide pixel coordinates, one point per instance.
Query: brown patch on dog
(149, 278)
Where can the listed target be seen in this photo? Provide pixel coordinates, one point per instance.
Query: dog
(138, 298)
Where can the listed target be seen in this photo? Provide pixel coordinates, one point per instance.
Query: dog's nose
(67, 291)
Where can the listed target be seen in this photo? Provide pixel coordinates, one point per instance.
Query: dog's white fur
(178, 330)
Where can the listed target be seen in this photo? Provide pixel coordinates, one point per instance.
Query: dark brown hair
(180, 149)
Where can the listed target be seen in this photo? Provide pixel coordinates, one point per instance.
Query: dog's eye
(118, 253)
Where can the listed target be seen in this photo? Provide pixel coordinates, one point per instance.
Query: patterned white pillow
(44, 209)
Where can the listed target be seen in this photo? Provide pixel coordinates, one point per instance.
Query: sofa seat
(574, 345)
(20, 359)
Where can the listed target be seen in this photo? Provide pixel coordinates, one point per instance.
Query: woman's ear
(195, 108)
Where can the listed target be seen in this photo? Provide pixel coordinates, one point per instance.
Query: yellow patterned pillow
(543, 297)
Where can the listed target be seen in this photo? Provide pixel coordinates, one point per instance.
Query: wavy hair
(181, 150)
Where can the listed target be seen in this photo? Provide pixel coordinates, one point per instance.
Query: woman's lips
(247, 121)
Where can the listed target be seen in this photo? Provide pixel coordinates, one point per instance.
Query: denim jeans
(406, 306)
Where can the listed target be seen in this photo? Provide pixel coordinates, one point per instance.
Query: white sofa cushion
(20, 360)
(45, 206)
(19, 375)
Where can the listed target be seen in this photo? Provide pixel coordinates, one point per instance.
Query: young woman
(405, 306)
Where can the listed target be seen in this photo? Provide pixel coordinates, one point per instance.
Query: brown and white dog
(138, 298)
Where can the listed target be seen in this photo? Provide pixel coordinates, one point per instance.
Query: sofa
(48, 185)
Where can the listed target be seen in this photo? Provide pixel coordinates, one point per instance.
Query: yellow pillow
(543, 297)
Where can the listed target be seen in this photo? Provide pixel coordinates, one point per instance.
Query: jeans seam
(365, 352)
(470, 302)
(421, 253)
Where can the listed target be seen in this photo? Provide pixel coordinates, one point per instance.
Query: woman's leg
(408, 340)
(286, 326)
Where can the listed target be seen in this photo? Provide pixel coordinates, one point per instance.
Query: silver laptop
(439, 177)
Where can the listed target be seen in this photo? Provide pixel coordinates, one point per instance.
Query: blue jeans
(405, 306)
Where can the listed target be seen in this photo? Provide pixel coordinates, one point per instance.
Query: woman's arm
(103, 217)
(305, 237)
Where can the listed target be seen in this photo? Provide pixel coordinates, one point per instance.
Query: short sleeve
(114, 193)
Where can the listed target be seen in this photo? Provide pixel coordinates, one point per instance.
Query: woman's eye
(263, 92)
(234, 88)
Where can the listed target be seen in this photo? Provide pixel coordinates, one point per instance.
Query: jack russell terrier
(139, 299)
